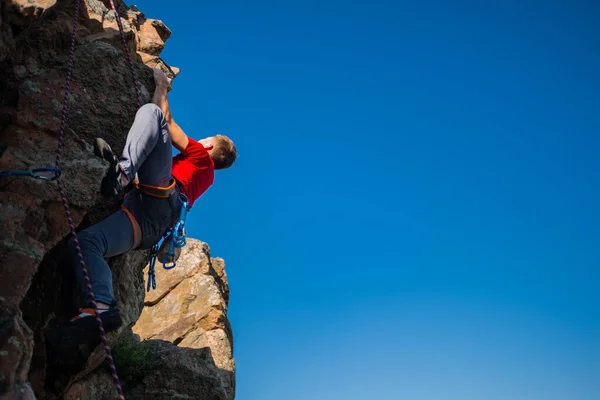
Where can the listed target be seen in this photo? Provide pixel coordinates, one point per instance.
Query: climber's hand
(161, 79)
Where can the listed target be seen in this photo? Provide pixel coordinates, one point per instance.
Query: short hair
(224, 153)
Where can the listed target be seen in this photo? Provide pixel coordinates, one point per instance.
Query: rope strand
(65, 202)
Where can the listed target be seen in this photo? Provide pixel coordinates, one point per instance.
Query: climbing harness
(156, 191)
(173, 240)
(48, 174)
(168, 247)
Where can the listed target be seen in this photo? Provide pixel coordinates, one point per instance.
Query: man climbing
(149, 209)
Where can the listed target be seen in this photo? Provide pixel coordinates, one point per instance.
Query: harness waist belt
(156, 191)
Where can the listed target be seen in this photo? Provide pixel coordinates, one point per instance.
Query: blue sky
(414, 212)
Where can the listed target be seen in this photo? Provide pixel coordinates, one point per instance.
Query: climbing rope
(53, 174)
(41, 173)
(86, 277)
(63, 196)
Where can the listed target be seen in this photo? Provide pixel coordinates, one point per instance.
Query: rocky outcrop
(37, 288)
(16, 347)
(182, 334)
(169, 348)
(189, 309)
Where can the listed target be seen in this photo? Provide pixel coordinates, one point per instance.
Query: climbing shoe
(83, 329)
(111, 183)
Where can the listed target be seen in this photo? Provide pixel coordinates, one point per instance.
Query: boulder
(187, 313)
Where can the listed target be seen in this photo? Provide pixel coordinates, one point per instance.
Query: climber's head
(221, 149)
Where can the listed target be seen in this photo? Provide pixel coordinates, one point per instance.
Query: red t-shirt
(194, 169)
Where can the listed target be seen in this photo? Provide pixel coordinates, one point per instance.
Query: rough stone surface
(101, 104)
(177, 377)
(153, 36)
(97, 385)
(16, 347)
(189, 309)
(37, 286)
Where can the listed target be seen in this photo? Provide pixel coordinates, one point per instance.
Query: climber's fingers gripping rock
(161, 78)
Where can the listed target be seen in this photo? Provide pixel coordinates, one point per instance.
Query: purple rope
(136, 82)
(63, 196)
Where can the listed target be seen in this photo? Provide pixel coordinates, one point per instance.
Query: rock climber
(149, 209)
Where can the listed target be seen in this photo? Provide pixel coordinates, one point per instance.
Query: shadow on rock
(157, 369)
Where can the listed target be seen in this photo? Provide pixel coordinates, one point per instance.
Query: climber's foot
(103, 150)
(83, 329)
(111, 183)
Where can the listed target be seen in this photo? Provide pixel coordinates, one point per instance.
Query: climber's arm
(178, 138)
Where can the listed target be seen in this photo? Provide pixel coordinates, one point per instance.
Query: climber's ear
(208, 143)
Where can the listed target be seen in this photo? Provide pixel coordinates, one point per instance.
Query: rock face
(189, 309)
(15, 351)
(182, 344)
(37, 287)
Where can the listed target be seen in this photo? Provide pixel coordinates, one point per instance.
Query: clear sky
(414, 212)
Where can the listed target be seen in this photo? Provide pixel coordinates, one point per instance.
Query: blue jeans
(148, 154)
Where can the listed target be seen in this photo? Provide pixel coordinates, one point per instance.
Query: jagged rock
(37, 287)
(177, 376)
(21, 14)
(32, 209)
(16, 348)
(157, 369)
(7, 43)
(97, 385)
(189, 309)
(196, 360)
(153, 36)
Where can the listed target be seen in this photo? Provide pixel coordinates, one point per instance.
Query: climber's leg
(111, 237)
(148, 149)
